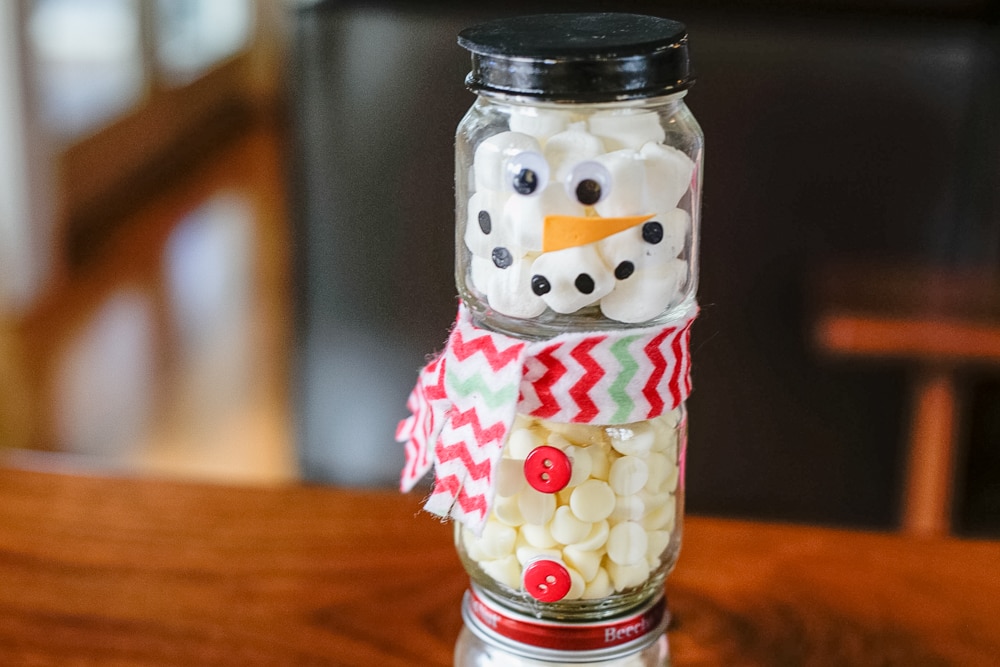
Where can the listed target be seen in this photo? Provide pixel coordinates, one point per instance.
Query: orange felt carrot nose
(568, 231)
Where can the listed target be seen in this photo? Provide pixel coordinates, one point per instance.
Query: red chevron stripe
(580, 391)
(484, 343)
(436, 391)
(687, 359)
(650, 391)
(554, 369)
(676, 346)
(459, 450)
(452, 486)
(496, 432)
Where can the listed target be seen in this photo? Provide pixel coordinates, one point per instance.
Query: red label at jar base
(559, 641)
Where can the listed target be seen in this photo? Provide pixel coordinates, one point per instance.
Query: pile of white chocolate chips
(608, 526)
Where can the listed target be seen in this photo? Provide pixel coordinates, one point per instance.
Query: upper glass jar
(578, 175)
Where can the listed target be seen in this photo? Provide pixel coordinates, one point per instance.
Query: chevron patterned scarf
(466, 398)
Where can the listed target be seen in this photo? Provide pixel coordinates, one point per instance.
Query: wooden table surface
(115, 571)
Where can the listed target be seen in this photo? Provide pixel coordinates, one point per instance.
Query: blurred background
(226, 244)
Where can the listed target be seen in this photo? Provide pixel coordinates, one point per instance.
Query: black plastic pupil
(588, 192)
(540, 285)
(526, 182)
(502, 258)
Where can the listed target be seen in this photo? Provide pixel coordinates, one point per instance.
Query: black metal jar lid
(595, 57)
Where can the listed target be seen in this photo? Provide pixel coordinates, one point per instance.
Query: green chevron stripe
(476, 384)
(617, 390)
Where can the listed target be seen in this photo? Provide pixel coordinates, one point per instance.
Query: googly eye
(528, 173)
(588, 183)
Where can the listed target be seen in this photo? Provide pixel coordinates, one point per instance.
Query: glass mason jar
(578, 179)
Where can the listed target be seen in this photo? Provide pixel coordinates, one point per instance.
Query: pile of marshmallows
(572, 211)
(608, 525)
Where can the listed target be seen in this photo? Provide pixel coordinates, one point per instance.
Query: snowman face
(564, 223)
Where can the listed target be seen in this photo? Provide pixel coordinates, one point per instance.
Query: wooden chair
(936, 322)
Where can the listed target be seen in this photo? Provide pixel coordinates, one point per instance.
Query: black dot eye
(528, 173)
(624, 270)
(584, 283)
(540, 285)
(589, 183)
(485, 222)
(652, 232)
(502, 258)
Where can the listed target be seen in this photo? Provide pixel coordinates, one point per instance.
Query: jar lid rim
(587, 56)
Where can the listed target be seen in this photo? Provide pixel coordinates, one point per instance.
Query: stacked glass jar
(578, 188)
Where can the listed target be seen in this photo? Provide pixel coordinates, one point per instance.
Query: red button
(547, 469)
(546, 580)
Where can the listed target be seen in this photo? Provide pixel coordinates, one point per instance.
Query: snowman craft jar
(554, 419)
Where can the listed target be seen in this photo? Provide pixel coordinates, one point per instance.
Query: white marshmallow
(630, 245)
(627, 128)
(587, 563)
(574, 278)
(668, 175)
(627, 475)
(632, 439)
(566, 149)
(625, 194)
(646, 293)
(627, 543)
(490, 161)
(509, 289)
(484, 228)
(523, 217)
(566, 528)
(480, 271)
(538, 123)
(536, 507)
(592, 501)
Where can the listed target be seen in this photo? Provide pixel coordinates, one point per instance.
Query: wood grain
(141, 572)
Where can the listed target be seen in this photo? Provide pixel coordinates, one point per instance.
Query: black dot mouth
(584, 283)
(624, 270)
(540, 285)
(502, 258)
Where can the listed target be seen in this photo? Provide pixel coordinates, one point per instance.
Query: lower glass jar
(586, 519)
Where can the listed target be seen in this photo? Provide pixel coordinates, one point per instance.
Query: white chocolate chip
(538, 536)
(536, 507)
(632, 439)
(596, 539)
(576, 585)
(658, 540)
(527, 554)
(628, 508)
(510, 477)
(659, 468)
(627, 475)
(521, 442)
(507, 511)
(627, 543)
(497, 540)
(587, 563)
(627, 576)
(505, 570)
(661, 514)
(599, 587)
(592, 501)
(582, 464)
(567, 528)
